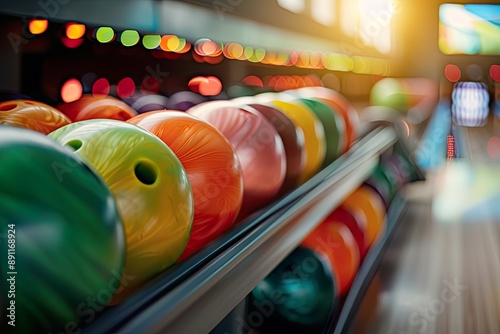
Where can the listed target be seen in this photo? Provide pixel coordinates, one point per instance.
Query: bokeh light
(71, 43)
(75, 30)
(495, 73)
(493, 147)
(105, 34)
(452, 73)
(125, 88)
(71, 90)
(38, 27)
(253, 80)
(151, 41)
(101, 87)
(206, 86)
(129, 37)
(208, 48)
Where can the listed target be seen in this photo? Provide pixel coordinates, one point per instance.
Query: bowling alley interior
(237, 166)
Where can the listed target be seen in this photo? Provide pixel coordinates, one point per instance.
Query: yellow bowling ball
(150, 186)
(314, 135)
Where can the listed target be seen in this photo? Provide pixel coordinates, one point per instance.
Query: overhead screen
(471, 29)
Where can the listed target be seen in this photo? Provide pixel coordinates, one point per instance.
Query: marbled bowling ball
(149, 102)
(259, 148)
(335, 241)
(60, 223)
(32, 115)
(212, 167)
(150, 186)
(296, 297)
(94, 107)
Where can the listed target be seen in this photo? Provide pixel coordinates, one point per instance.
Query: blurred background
(428, 69)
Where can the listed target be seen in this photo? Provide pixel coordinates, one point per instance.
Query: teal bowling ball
(62, 242)
(296, 297)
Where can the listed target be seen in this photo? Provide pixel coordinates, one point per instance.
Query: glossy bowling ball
(356, 224)
(150, 102)
(149, 185)
(61, 236)
(371, 204)
(259, 148)
(314, 136)
(334, 129)
(338, 102)
(94, 107)
(382, 184)
(184, 100)
(296, 297)
(212, 167)
(335, 241)
(293, 142)
(32, 115)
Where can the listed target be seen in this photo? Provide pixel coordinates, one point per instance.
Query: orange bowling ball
(32, 115)
(211, 165)
(335, 241)
(92, 107)
(369, 202)
(259, 148)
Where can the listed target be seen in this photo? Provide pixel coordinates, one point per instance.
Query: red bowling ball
(356, 225)
(259, 148)
(93, 107)
(335, 242)
(211, 165)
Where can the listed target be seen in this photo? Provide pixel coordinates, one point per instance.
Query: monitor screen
(471, 29)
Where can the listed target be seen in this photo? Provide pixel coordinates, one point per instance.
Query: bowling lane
(441, 271)
(483, 143)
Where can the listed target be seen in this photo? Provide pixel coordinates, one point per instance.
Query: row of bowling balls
(100, 206)
(309, 285)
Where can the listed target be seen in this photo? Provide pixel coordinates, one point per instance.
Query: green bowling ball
(296, 297)
(151, 189)
(384, 183)
(62, 242)
(334, 129)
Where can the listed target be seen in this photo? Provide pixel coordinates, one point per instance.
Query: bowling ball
(212, 167)
(356, 224)
(334, 240)
(334, 130)
(391, 166)
(293, 142)
(61, 226)
(314, 136)
(184, 100)
(145, 103)
(296, 297)
(259, 148)
(382, 184)
(339, 103)
(32, 115)
(149, 185)
(93, 107)
(371, 204)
